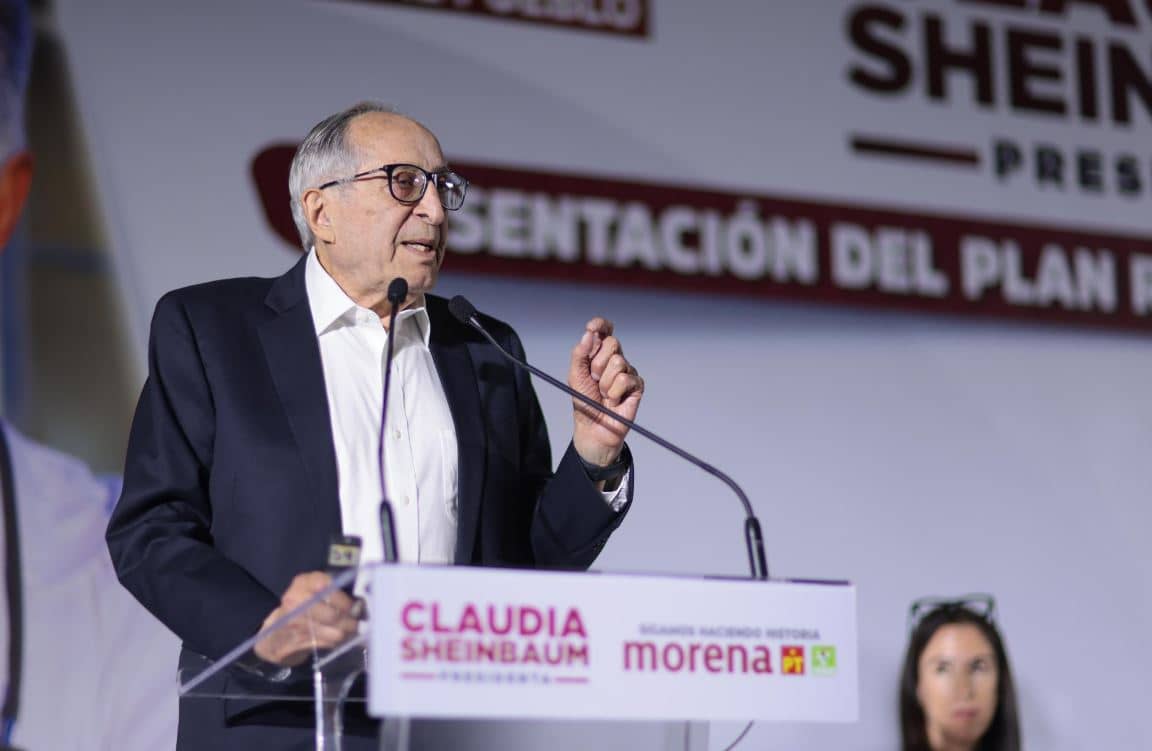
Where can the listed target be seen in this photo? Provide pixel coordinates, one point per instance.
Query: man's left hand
(600, 371)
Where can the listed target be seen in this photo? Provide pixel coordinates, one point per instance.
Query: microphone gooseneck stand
(467, 314)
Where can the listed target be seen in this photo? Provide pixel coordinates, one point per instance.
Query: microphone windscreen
(397, 290)
(462, 310)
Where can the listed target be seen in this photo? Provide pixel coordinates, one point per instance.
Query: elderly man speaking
(258, 435)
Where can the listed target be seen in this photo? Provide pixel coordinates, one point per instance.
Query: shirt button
(396, 434)
(407, 500)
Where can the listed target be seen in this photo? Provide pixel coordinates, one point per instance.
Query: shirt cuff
(618, 498)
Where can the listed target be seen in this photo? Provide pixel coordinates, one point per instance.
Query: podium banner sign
(458, 642)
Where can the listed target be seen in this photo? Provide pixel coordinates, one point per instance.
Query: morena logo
(692, 657)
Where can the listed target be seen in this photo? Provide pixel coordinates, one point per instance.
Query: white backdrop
(912, 455)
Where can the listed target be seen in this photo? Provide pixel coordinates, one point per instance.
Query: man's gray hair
(324, 155)
(15, 61)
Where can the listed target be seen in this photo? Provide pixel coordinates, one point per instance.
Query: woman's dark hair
(1003, 733)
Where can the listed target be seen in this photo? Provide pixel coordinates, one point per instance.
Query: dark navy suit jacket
(230, 486)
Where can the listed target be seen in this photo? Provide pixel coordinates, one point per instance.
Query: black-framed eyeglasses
(407, 183)
(981, 604)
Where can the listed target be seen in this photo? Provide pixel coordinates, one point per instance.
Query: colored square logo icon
(823, 659)
(793, 660)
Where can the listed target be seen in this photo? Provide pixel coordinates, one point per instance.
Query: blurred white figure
(95, 666)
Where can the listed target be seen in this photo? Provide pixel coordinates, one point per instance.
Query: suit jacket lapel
(449, 345)
(293, 354)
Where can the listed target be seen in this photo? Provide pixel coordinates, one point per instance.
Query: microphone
(466, 313)
(397, 293)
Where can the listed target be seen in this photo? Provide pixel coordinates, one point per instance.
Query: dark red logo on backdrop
(587, 229)
(626, 17)
(1032, 60)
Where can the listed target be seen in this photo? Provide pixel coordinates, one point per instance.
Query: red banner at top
(620, 17)
(581, 228)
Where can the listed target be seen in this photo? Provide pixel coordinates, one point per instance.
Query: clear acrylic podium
(451, 645)
(329, 681)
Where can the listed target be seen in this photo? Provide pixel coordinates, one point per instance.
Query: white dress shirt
(419, 449)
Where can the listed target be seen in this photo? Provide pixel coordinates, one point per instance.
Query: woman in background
(956, 692)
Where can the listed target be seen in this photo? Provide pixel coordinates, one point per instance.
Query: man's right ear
(316, 214)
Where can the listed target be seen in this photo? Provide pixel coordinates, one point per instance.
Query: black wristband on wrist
(610, 472)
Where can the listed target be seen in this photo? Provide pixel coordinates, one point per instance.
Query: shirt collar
(332, 308)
